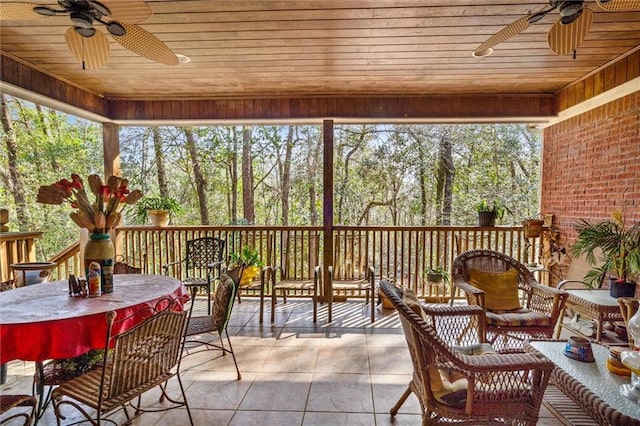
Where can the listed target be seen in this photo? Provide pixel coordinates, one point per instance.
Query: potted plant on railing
(438, 277)
(489, 211)
(620, 247)
(159, 210)
(252, 264)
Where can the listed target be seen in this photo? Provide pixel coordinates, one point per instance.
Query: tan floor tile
(246, 418)
(278, 391)
(342, 359)
(340, 393)
(291, 359)
(338, 419)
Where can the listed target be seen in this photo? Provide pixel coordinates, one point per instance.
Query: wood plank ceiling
(311, 48)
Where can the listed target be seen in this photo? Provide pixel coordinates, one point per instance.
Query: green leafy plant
(147, 204)
(620, 247)
(496, 206)
(248, 255)
(438, 274)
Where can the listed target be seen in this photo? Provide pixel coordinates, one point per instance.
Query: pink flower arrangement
(101, 215)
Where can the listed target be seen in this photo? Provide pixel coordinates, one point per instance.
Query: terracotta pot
(533, 228)
(158, 217)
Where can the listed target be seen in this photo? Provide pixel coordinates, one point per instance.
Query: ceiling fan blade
(93, 51)
(145, 44)
(620, 5)
(565, 39)
(18, 11)
(513, 29)
(132, 11)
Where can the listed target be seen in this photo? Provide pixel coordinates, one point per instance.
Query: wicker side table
(590, 385)
(597, 305)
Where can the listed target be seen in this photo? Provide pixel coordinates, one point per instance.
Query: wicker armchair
(218, 320)
(492, 388)
(203, 258)
(9, 402)
(137, 360)
(541, 306)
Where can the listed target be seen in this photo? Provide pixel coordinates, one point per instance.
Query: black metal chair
(203, 258)
(9, 402)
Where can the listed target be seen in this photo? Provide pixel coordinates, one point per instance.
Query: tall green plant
(620, 248)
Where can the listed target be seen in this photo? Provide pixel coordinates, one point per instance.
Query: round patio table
(42, 321)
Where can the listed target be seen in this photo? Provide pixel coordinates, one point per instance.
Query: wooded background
(390, 175)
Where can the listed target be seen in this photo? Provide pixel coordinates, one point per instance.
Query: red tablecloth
(42, 321)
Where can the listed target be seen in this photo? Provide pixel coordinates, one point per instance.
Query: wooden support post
(327, 208)
(111, 147)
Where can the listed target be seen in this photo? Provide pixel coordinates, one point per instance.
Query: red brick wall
(591, 165)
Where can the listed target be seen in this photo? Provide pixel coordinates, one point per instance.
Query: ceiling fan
(88, 44)
(567, 33)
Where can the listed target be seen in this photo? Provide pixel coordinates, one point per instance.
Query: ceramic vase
(100, 249)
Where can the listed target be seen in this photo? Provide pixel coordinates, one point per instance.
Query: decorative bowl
(579, 348)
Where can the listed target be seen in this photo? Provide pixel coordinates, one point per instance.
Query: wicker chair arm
(506, 362)
(475, 296)
(563, 283)
(547, 300)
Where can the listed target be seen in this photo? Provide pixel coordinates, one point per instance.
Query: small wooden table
(597, 305)
(589, 384)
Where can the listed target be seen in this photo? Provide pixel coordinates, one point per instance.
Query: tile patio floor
(293, 373)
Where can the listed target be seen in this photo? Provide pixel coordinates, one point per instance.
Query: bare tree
(248, 205)
(201, 186)
(160, 162)
(444, 178)
(16, 187)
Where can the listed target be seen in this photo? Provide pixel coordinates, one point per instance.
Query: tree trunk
(248, 206)
(233, 175)
(160, 163)
(201, 186)
(16, 188)
(315, 160)
(286, 177)
(444, 179)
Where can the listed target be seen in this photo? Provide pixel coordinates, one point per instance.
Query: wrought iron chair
(456, 377)
(203, 257)
(218, 320)
(9, 402)
(531, 310)
(137, 360)
(297, 275)
(127, 265)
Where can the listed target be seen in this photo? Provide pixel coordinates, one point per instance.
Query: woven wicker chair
(9, 402)
(496, 388)
(203, 257)
(218, 320)
(541, 305)
(139, 359)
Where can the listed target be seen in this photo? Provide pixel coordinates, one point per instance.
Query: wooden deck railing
(401, 254)
(16, 247)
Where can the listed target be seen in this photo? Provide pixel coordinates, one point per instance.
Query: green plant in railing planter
(251, 260)
(155, 206)
(489, 211)
(438, 275)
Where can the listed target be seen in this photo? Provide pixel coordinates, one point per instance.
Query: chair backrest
(7, 285)
(125, 265)
(351, 256)
(147, 354)
(201, 252)
(489, 261)
(225, 296)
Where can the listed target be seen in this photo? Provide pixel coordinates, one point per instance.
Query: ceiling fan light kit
(567, 34)
(85, 42)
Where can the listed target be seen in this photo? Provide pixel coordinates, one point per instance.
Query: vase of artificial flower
(99, 217)
(100, 249)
